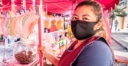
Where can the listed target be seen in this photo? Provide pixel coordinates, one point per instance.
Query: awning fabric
(56, 6)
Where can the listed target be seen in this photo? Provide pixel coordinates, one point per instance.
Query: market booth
(36, 23)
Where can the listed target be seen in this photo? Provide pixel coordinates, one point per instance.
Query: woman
(90, 48)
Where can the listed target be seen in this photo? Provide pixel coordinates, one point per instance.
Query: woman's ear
(98, 25)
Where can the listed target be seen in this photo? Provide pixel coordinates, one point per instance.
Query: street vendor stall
(26, 19)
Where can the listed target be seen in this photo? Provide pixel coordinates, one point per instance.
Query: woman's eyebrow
(74, 15)
(85, 15)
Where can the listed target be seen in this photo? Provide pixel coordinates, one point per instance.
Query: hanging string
(24, 9)
(12, 5)
(33, 5)
(6, 13)
(19, 11)
(46, 10)
(24, 6)
(11, 14)
(33, 2)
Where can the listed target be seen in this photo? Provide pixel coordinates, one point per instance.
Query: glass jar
(25, 52)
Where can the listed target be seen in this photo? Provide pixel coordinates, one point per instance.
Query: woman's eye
(74, 18)
(85, 19)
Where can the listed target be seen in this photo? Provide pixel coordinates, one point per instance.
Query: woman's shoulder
(98, 48)
(97, 53)
(99, 44)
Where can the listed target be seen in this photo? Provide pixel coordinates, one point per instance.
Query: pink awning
(57, 6)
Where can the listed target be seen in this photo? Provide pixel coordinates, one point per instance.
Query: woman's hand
(53, 59)
(42, 49)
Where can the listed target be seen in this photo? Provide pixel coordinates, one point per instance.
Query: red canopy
(57, 6)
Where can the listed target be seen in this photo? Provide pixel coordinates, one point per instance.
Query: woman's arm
(49, 56)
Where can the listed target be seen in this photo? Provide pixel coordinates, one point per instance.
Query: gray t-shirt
(96, 54)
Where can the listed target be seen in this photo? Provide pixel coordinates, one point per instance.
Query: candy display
(19, 26)
(46, 23)
(60, 24)
(24, 57)
(25, 53)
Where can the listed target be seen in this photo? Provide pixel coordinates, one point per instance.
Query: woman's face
(84, 13)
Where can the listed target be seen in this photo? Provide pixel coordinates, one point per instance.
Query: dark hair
(97, 8)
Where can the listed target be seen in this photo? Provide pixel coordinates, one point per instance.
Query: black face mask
(82, 29)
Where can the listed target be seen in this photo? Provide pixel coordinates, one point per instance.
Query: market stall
(42, 22)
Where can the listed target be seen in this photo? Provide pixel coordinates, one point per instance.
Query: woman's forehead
(81, 15)
(83, 10)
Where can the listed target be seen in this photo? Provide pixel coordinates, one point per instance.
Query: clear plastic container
(24, 52)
